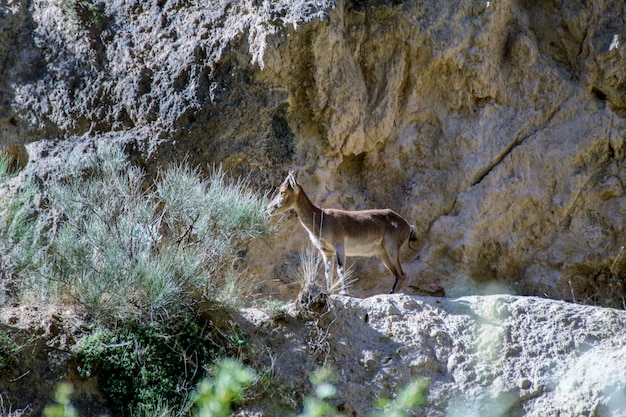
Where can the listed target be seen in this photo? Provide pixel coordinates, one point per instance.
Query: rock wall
(496, 126)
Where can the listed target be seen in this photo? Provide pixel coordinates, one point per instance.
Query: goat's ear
(292, 179)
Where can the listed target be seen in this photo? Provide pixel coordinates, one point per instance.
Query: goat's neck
(309, 214)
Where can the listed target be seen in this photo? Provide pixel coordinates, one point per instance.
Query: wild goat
(341, 233)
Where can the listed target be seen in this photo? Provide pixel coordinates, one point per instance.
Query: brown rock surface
(489, 125)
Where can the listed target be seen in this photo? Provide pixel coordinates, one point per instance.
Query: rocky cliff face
(497, 127)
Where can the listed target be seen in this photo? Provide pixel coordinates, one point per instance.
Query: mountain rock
(496, 355)
(496, 127)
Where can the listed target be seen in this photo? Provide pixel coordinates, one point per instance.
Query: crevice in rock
(525, 133)
(486, 170)
(599, 94)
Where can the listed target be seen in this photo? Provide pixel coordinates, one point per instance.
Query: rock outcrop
(497, 356)
(482, 355)
(498, 127)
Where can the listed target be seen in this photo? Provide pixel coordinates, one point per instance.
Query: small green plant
(8, 348)
(213, 397)
(324, 380)
(62, 406)
(409, 398)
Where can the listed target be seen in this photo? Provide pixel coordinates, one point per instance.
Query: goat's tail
(413, 237)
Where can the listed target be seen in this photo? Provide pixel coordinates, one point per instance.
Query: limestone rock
(490, 355)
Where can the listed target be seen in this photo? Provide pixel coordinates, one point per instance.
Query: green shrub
(211, 217)
(139, 366)
(22, 243)
(136, 256)
(103, 251)
(8, 348)
(108, 252)
(101, 237)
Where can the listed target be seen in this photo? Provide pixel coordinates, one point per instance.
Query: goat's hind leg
(395, 267)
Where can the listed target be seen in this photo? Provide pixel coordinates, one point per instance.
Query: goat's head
(287, 196)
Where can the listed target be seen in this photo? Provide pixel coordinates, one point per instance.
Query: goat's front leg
(341, 267)
(328, 258)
